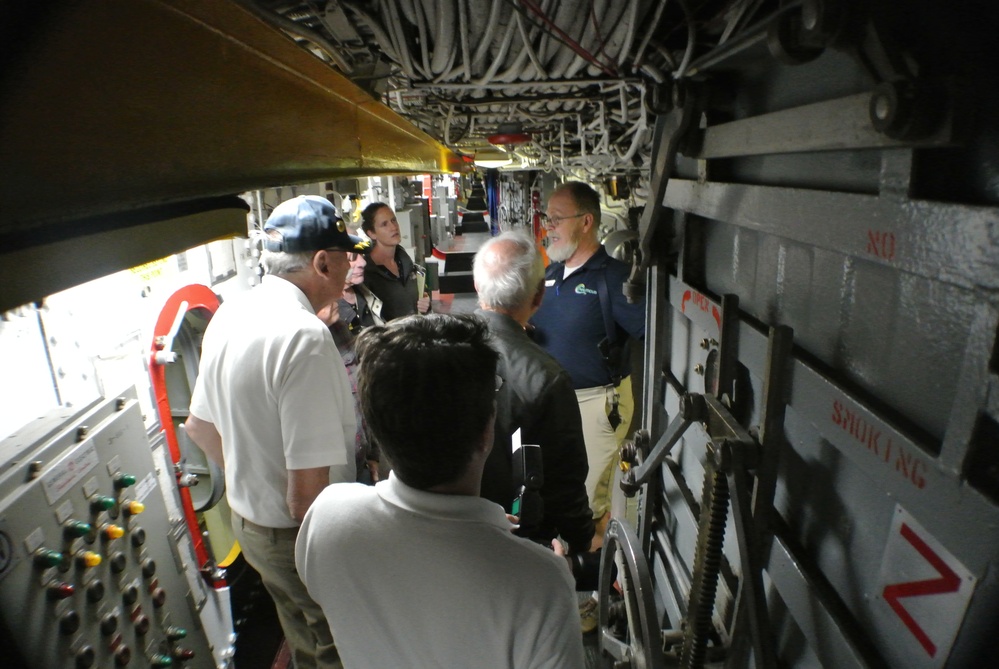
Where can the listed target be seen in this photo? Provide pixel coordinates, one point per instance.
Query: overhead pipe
(644, 44)
(691, 39)
(637, 140)
(521, 85)
(516, 69)
(449, 69)
(632, 24)
(578, 61)
(529, 47)
(575, 26)
(500, 57)
(487, 37)
(749, 37)
(420, 20)
(409, 11)
(298, 30)
(399, 39)
(444, 44)
(374, 25)
(466, 63)
(745, 12)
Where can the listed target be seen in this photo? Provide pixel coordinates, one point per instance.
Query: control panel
(93, 570)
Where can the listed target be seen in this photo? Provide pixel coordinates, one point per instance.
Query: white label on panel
(145, 486)
(69, 471)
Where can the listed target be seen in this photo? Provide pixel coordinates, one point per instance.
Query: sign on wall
(923, 594)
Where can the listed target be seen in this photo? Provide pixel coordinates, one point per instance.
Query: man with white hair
(272, 406)
(536, 395)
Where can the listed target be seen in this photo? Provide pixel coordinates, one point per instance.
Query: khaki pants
(603, 443)
(271, 552)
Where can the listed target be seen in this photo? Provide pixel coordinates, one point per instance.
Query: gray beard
(563, 252)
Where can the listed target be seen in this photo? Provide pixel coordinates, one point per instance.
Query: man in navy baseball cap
(310, 223)
(273, 407)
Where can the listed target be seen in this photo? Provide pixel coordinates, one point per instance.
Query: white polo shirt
(275, 387)
(408, 578)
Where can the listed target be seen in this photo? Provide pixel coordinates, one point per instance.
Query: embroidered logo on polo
(583, 290)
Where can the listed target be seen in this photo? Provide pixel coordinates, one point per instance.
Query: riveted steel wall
(881, 254)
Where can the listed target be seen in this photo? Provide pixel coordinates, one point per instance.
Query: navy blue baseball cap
(310, 223)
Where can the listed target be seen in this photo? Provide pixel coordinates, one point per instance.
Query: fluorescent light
(491, 164)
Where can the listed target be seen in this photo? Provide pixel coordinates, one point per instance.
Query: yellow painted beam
(112, 105)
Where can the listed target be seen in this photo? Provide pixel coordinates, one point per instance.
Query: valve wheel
(640, 646)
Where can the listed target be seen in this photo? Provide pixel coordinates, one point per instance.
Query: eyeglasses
(351, 257)
(555, 221)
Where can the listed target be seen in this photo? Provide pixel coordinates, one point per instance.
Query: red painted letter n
(948, 582)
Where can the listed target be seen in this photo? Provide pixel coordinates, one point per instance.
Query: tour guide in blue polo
(583, 313)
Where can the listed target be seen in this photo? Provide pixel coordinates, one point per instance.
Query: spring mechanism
(707, 564)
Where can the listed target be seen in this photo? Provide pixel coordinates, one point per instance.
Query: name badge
(549, 283)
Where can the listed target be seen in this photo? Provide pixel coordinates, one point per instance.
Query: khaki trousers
(603, 443)
(271, 551)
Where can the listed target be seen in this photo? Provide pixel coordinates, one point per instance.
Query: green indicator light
(46, 558)
(74, 529)
(159, 661)
(124, 481)
(102, 503)
(175, 633)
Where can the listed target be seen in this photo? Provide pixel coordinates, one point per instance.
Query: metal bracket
(688, 102)
(692, 409)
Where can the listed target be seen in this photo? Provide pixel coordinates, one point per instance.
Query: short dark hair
(587, 199)
(412, 364)
(368, 216)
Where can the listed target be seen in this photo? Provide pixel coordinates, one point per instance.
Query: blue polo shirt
(570, 323)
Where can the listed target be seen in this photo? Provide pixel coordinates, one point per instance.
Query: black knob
(109, 624)
(95, 591)
(138, 536)
(159, 597)
(148, 567)
(85, 657)
(118, 562)
(129, 595)
(70, 622)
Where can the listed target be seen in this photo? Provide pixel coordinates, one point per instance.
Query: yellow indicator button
(133, 508)
(110, 532)
(88, 559)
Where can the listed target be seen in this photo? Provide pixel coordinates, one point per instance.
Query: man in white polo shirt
(419, 571)
(272, 406)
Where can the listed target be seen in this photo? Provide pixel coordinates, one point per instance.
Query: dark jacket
(397, 293)
(357, 316)
(537, 397)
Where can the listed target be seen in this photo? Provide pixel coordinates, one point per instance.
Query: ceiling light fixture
(491, 160)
